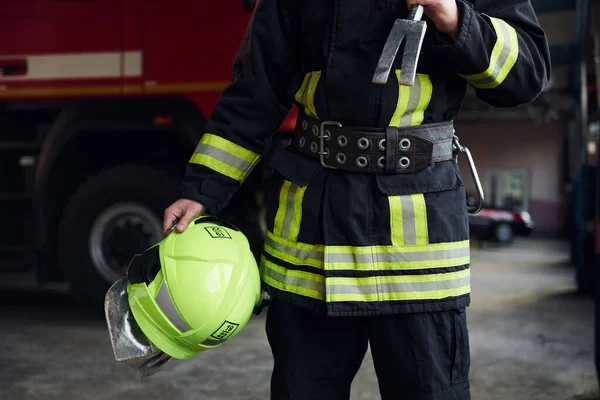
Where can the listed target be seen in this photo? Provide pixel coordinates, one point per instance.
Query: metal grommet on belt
(326, 152)
(404, 162)
(327, 135)
(381, 162)
(362, 161)
(314, 147)
(341, 158)
(363, 143)
(315, 130)
(404, 144)
(381, 144)
(304, 125)
(302, 141)
(342, 141)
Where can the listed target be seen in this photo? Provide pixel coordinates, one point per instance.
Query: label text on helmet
(217, 232)
(225, 331)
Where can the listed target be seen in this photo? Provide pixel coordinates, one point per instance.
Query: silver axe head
(412, 32)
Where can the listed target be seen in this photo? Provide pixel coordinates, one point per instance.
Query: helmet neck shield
(129, 344)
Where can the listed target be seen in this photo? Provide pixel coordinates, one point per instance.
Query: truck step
(20, 145)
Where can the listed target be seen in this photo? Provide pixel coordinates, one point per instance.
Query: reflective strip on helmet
(408, 220)
(306, 94)
(289, 212)
(165, 303)
(298, 282)
(412, 101)
(224, 157)
(395, 288)
(503, 58)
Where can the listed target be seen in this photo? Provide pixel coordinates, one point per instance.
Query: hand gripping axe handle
(412, 32)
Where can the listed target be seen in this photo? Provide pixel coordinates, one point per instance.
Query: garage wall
(533, 147)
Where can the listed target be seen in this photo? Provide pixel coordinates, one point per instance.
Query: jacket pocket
(293, 167)
(461, 359)
(287, 204)
(439, 177)
(426, 207)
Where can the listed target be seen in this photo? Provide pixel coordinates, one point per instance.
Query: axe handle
(416, 12)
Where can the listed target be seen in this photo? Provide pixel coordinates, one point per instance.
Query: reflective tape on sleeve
(164, 301)
(503, 58)
(224, 157)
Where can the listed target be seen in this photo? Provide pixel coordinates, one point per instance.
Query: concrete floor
(531, 338)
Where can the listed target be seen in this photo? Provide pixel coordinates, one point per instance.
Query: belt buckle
(323, 135)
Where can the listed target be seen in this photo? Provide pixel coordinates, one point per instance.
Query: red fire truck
(101, 104)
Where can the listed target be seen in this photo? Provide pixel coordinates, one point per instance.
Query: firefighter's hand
(182, 212)
(443, 13)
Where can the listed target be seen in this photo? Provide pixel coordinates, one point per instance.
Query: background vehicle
(499, 225)
(101, 105)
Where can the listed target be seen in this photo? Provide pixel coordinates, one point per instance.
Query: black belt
(379, 150)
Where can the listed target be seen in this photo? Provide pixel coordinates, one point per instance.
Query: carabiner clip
(463, 149)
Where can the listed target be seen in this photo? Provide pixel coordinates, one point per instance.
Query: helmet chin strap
(129, 344)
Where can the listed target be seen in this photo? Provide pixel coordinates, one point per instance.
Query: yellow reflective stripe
(420, 213)
(412, 101)
(408, 220)
(228, 146)
(300, 94)
(295, 252)
(413, 287)
(289, 214)
(298, 282)
(281, 210)
(401, 296)
(426, 93)
(396, 226)
(306, 94)
(504, 56)
(368, 258)
(224, 157)
(297, 213)
(218, 166)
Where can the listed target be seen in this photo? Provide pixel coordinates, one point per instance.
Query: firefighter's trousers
(419, 356)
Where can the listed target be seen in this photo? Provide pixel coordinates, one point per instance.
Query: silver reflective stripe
(414, 96)
(506, 50)
(398, 256)
(164, 301)
(294, 252)
(399, 287)
(225, 157)
(408, 220)
(289, 211)
(293, 280)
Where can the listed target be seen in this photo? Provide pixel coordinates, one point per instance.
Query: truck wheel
(110, 218)
(503, 233)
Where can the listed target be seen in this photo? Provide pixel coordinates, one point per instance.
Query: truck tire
(110, 218)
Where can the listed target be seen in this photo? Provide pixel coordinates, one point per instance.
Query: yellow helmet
(190, 292)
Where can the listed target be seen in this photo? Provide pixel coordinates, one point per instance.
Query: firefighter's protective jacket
(348, 243)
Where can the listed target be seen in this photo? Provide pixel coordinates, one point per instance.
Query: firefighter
(367, 240)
